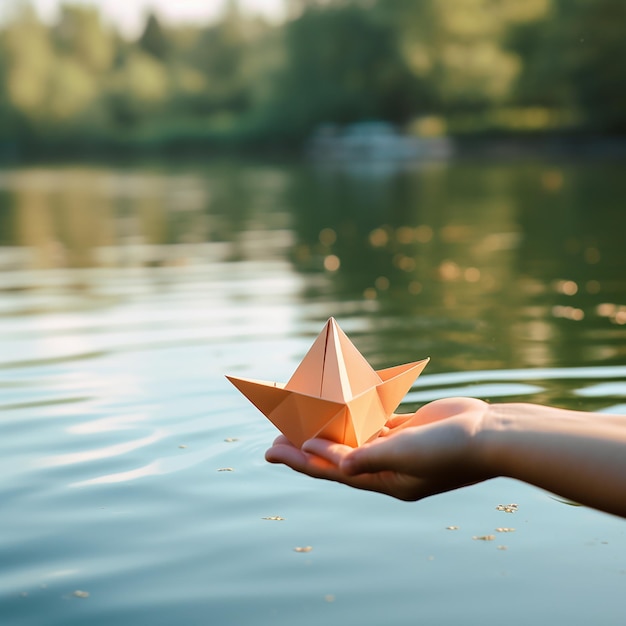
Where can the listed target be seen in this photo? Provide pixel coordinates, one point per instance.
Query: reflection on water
(127, 294)
(517, 264)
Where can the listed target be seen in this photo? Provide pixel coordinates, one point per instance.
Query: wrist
(511, 433)
(498, 423)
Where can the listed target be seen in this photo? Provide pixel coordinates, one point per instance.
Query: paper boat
(334, 393)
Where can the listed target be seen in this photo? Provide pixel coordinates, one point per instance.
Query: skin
(456, 442)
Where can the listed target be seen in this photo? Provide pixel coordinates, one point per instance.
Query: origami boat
(334, 393)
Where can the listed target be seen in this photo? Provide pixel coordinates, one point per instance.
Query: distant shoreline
(488, 147)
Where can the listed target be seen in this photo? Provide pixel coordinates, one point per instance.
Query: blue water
(133, 488)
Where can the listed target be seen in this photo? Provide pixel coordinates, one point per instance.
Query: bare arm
(455, 442)
(581, 456)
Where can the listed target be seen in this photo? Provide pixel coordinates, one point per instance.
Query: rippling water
(132, 479)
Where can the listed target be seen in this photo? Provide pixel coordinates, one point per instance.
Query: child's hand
(416, 455)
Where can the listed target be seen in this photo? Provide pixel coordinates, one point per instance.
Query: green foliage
(343, 64)
(573, 60)
(477, 64)
(456, 46)
(81, 35)
(154, 40)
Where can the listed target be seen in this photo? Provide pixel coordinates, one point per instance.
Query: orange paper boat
(334, 393)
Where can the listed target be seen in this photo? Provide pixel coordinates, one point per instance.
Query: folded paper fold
(334, 392)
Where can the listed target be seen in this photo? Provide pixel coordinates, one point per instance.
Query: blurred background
(105, 78)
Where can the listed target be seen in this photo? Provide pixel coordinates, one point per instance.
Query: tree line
(466, 67)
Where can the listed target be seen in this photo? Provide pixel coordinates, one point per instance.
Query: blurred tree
(221, 58)
(601, 73)
(138, 89)
(574, 59)
(472, 62)
(71, 89)
(51, 74)
(29, 61)
(8, 117)
(543, 79)
(458, 46)
(80, 34)
(343, 65)
(154, 40)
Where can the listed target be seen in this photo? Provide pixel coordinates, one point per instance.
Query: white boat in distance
(374, 141)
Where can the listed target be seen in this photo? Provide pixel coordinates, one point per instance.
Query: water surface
(132, 479)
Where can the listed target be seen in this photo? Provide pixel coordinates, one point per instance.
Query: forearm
(580, 456)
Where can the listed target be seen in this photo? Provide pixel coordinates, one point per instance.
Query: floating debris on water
(274, 518)
(329, 597)
(484, 537)
(507, 508)
(225, 469)
(502, 548)
(80, 594)
(505, 530)
(303, 549)
(182, 445)
(231, 439)
(452, 528)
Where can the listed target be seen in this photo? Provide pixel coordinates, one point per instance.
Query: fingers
(386, 453)
(281, 439)
(303, 461)
(328, 459)
(284, 453)
(329, 450)
(369, 467)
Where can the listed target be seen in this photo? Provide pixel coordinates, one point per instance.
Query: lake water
(133, 488)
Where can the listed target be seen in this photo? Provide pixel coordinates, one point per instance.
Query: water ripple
(83, 456)
(505, 384)
(487, 390)
(165, 465)
(42, 403)
(557, 373)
